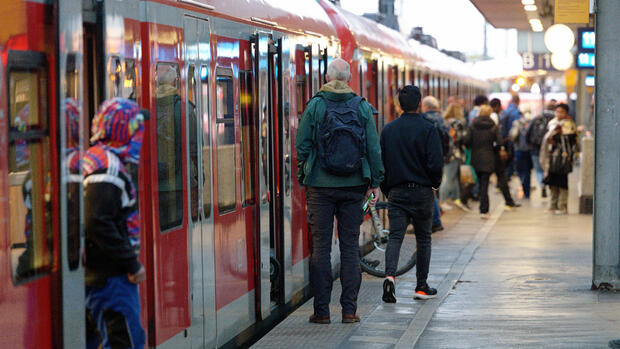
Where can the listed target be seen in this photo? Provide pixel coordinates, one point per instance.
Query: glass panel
(247, 139)
(192, 118)
(225, 118)
(206, 142)
(30, 184)
(129, 84)
(169, 146)
(114, 77)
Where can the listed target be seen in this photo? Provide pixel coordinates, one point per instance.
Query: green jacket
(309, 171)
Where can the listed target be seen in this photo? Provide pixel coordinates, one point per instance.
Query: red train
(225, 239)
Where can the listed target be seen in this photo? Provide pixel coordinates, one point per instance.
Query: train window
(169, 146)
(225, 119)
(192, 119)
(247, 138)
(114, 77)
(30, 177)
(129, 84)
(206, 141)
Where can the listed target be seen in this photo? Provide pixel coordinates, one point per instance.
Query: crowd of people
(424, 162)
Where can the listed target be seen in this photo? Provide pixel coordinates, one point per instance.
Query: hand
(138, 277)
(375, 192)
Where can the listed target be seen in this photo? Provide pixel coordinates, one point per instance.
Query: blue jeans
(346, 205)
(115, 309)
(410, 205)
(523, 160)
(539, 171)
(450, 185)
(436, 213)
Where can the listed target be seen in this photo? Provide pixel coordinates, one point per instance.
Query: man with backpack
(413, 161)
(535, 135)
(339, 163)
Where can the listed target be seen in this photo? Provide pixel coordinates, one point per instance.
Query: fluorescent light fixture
(536, 25)
(527, 2)
(530, 7)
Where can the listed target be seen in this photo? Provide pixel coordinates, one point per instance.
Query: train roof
(302, 16)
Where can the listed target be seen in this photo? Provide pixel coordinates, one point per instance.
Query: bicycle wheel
(375, 231)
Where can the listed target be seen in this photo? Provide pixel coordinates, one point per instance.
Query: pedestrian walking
(413, 161)
(557, 155)
(339, 162)
(485, 141)
(535, 134)
(506, 120)
(112, 225)
(523, 157)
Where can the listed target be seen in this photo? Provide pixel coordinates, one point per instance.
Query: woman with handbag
(561, 146)
(485, 141)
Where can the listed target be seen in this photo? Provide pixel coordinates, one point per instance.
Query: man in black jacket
(413, 162)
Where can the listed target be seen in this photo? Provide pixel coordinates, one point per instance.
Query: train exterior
(224, 230)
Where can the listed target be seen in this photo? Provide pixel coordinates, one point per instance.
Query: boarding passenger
(339, 169)
(479, 101)
(506, 120)
(430, 109)
(535, 134)
(112, 225)
(485, 141)
(413, 160)
(559, 148)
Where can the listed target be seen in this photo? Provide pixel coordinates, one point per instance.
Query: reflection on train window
(129, 83)
(192, 119)
(169, 154)
(225, 118)
(30, 183)
(114, 76)
(247, 138)
(206, 141)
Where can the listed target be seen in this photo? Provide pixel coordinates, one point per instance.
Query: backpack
(342, 137)
(538, 129)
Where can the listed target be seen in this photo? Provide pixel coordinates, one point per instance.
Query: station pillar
(606, 263)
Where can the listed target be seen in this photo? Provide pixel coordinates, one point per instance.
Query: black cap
(409, 98)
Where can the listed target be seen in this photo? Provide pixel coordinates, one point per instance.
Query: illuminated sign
(537, 61)
(586, 44)
(585, 60)
(590, 81)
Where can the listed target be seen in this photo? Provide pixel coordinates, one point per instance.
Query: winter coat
(484, 139)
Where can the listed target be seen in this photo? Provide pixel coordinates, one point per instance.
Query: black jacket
(108, 248)
(411, 151)
(484, 139)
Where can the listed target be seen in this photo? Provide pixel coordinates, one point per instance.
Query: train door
(201, 237)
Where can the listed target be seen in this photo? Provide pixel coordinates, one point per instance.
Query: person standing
(413, 161)
(535, 134)
(338, 169)
(430, 109)
(450, 185)
(523, 157)
(506, 120)
(559, 148)
(484, 139)
(479, 101)
(112, 242)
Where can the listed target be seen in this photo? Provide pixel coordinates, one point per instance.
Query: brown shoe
(315, 319)
(350, 319)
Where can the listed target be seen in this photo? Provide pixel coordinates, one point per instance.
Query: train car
(223, 221)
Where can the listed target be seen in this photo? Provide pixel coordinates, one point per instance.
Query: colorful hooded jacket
(110, 198)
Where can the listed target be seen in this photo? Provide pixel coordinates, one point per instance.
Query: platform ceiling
(508, 14)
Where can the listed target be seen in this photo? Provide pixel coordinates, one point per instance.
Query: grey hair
(339, 69)
(430, 102)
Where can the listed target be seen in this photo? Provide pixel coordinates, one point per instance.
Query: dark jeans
(410, 205)
(483, 179)
(436, 213)
(524, 169)
(346, 205)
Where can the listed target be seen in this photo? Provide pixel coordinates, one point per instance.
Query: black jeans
(410, 205)
(483, 179)
(346, 205)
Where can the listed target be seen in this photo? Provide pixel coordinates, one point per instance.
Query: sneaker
(424, 292)
(389, 290)
(560, 212)
(461, 205)
(485, 216)
(436, 228)
(510, 207)
(445, 206)
(544, 192)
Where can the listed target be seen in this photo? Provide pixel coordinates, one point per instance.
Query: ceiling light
(527, 2)
(530, 7)
(562, 60)
(559, 38)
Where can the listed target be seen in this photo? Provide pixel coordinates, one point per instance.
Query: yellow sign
(572, 11)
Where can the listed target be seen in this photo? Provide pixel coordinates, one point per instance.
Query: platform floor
(519, 280)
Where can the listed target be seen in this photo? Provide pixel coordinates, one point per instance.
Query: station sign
(586, 44)
(537, 61)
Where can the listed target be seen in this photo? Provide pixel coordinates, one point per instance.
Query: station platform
(521, 279)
